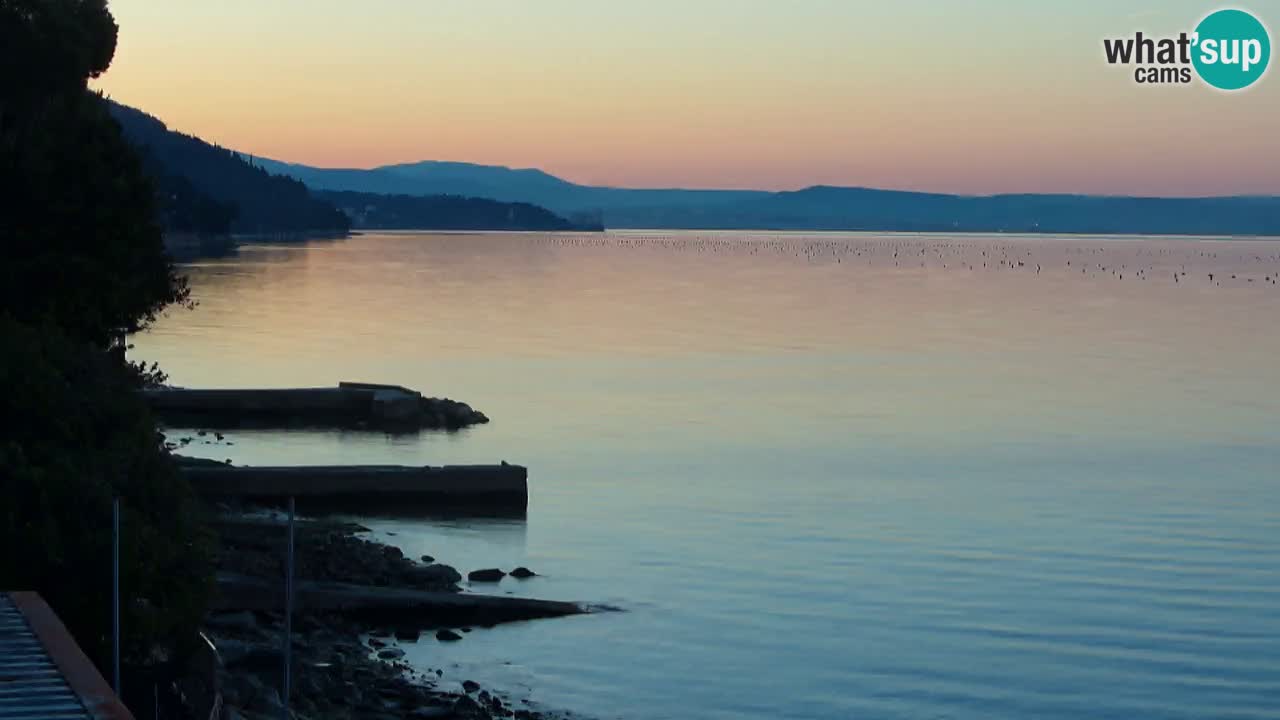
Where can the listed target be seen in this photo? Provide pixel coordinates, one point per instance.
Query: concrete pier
(500, 488)
(347, 404)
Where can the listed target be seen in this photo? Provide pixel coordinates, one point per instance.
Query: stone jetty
(349, 404)
(501, 488)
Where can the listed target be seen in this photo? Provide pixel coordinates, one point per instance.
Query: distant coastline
(189, 246)
(375, 211)
(210, 190)
(209, 197)
(186, 246)
(820, 207)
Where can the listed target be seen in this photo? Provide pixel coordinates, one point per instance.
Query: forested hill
(206, 188)
(448, 212)
(813, 208)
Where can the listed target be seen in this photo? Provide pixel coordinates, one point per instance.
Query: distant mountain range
(814, 208)
(207, 190)
(432, 177)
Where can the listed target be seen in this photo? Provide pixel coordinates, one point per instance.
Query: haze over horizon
(994, 97)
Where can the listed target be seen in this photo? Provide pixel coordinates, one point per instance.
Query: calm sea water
(825, 476)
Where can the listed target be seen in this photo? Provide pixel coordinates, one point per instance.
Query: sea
(816, 475)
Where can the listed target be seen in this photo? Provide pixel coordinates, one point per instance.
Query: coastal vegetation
(84, 267)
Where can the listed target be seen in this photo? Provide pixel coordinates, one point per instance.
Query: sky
(965, 96)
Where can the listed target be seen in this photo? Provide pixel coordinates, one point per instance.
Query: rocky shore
(443, 413)
(345, 665)
(324, 550)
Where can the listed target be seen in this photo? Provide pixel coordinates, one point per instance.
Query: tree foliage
(79, 237)
(52, 46)
(184, 208)
(82, 264)
(78, 433)
(82, 246)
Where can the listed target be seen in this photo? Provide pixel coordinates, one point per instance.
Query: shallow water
(826, 475)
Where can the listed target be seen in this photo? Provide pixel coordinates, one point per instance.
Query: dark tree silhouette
(53, 46)
(82, 265)
(80, 241)
(81, 245)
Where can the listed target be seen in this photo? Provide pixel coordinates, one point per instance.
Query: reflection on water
(827, 475)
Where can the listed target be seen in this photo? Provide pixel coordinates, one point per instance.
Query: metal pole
(288, 613)
(115, 593)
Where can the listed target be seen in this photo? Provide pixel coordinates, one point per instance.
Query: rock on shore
(450, 414)
(488, 575)
(324, 551)
(335, 674)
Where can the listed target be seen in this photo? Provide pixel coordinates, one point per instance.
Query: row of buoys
(995, 254)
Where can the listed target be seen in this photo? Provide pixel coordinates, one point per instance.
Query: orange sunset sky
(979, 96)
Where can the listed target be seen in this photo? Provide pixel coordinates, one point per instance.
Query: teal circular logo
(1232, 49)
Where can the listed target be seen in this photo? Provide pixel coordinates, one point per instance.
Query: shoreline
(186, 247)
(346, 664)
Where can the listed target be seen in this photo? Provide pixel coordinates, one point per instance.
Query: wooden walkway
(44, 675)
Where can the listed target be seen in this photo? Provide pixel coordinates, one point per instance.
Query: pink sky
(701, 94)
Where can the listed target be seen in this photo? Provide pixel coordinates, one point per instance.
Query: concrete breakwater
(382, 406)
(495, 488)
